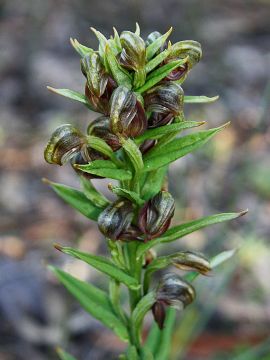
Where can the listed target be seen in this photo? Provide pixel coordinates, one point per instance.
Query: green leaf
(102, 43)
(81, 49)
(137, 30)
(92, 194)
(222, 257)
(177, 148)
(118, 73)
(105, 168)
(159, 74)
(117, 42)
(93, 300)
(179, 231)
(200, 99)
(153, 182)
(132, 353)
(133, 153)
(102, 264)
(76, 199)
(127, 194)
(141, 309)
(156, 45)
(153, 338)
(71, 94)
(164, 348)
(156, 61)
(100, 145)
(64, 355)
(167, 129)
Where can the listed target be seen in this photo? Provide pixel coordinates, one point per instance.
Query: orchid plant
(135, 86)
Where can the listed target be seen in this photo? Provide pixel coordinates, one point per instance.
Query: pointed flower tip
(58, 247)
(244, 212)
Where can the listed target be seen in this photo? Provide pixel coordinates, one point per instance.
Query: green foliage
(71, 94)
(104, 265)
(134, 85)
(77, 199)
(93, 300)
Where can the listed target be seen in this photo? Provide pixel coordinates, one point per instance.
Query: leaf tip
(46, 181)
(58, 247)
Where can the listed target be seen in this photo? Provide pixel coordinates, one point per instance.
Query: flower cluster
(135, 86)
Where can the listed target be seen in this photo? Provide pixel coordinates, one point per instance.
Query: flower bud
(116, 219)
(188, 260)
(127, 115)
(190, 48)
(101, 103)
(156, 214)
(172, 291)
(183, 49)
(64, 143)
(133, 55)
(165, 101)
(100, 127)
(85, 156)
(95, 73)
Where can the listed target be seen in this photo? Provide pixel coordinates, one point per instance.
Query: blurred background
(231, 317)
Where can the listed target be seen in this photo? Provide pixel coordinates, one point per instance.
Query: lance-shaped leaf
(133, 153)
(71, 94)
(81, 49)
(127, 194)
(94, 301)
(118, 73)
(63, 355)
(141, 309)
(102, 147)
(200, 99)
(167, 129)
(116, 40)
(160, 156)
(137, 29)
(93, 194)
(76, 199)
(102, 264)
(152, 64)
(179, 231)
(157, 44)
(153, 182)
(159, 74)
(102, 44)
(105, 168)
